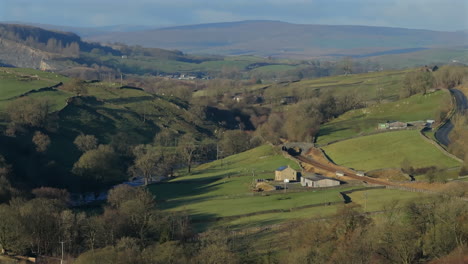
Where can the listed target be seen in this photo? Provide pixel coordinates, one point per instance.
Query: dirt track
(332, 168)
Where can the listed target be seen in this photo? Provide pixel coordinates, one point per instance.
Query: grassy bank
(388, 150)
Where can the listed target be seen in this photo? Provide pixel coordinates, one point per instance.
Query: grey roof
(282, 168)
(317, 177)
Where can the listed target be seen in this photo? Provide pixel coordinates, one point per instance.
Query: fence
(436, 144)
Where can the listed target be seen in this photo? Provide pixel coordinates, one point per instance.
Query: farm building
(382, 126)
(392, 125)
(317, 181)
(397, 125)
(285, 172)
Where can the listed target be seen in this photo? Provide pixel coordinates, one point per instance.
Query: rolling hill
(280, 39)
(113, 114)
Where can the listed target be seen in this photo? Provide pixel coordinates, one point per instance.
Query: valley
(249, 158)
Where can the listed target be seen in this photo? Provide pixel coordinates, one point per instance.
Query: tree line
(131, 229)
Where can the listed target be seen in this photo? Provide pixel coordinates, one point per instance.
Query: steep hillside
(33, 47)
(274, 38)
(365, 121)
(118, 116)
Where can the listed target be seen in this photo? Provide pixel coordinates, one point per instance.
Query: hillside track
(442, 134)
(347, 172)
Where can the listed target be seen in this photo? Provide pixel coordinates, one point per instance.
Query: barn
(317, 181)
(286, 172)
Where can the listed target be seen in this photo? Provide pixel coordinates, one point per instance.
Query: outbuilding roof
(282, 168)
(317, 177)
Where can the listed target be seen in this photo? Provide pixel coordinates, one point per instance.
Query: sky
(445, 15)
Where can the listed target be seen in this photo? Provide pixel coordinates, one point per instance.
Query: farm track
(347, 173)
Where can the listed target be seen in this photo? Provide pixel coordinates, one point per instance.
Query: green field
(364, 85)
(148, 64)
(13, 83)
(222, 189)
(376, 200)
(388, 150)
(362, 121)
(436, 56)
(17, 81)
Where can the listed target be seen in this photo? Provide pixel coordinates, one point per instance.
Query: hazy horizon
(438, 15)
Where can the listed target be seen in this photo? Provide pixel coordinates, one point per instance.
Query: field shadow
(127, 100)
(178, 194)
(329, 130)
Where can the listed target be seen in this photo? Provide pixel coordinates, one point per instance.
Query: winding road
(442, 134)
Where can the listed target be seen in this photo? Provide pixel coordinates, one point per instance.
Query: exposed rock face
(44, 66)
(19, 55)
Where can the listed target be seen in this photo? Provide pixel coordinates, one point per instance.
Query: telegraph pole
(365, 201)
(61, 261)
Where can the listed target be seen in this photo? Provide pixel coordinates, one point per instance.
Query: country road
(442, 134)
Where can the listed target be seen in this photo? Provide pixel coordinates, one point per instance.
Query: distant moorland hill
(275, 38)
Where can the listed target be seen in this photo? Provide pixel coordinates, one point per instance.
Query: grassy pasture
(17, 81)
(222, 188)
(387, 150)
(274, 69)
(365, 85)
(436, 56)
(356, 122)
(12, 84)
(57, 99)
(376, 200)
(145, 64)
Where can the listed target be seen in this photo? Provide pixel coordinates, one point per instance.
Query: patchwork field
(367, 85)
(388, 150)
(362, 121)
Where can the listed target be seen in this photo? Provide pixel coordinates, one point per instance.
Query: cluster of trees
(413, 233)
(36, 223)
(301, 121)
(101, 165)
(424, 79)
(43, 40)
(131, 229)
(27, 112)
(416, 82)
(459, 140)
(449, 76)
(71, 50)
(313, 69)
(76, 86)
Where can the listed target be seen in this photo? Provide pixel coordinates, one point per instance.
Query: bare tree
(86, 142)
(41, 140)
(146, 163)
(188, 149)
